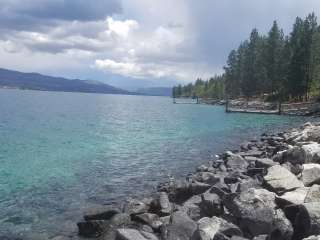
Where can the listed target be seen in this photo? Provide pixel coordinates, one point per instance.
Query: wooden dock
(238, 110)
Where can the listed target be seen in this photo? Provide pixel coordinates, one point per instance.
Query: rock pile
(269, 189)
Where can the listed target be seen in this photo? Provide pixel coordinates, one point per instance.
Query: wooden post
(227, 104)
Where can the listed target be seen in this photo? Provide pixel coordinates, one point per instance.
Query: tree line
(274, 66)
(212, 88)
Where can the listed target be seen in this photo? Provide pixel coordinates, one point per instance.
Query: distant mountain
(155, 91)
(36, 81)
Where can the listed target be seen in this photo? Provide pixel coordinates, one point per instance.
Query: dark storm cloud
(39, 14)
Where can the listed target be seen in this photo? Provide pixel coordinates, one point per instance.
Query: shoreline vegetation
(267, 189)
(271, 68)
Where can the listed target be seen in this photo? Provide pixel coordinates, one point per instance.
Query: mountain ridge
(36, 81)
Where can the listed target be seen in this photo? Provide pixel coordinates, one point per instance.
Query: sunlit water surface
(62, 152)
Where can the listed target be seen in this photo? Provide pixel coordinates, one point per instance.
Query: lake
(62, 152)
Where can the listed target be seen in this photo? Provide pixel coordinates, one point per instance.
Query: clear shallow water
(61, 152)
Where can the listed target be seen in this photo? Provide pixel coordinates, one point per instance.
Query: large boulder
(305, 153)
(294, 155)
(282, 228)
(236, 162)
(210, 228)
(161, 204)
(181, 227)
(211, 204)
(280, 180)
(256, 214)
(192, 207)
(294, 197)
(310, 174)
(309, 132)
(307, 219)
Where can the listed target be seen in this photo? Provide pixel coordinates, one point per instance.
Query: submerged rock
(93, 228)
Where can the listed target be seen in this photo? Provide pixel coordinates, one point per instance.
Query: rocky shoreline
(268, 189)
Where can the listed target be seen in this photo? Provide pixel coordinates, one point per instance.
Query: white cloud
(121, 28)
(123, 68)
(143, 70)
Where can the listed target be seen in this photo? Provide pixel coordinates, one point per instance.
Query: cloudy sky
(134, 43)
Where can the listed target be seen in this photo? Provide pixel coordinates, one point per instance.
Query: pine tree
(274, 48)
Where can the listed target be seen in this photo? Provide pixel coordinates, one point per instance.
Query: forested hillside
(274, 65)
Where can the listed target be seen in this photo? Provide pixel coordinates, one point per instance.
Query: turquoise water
(62, 152)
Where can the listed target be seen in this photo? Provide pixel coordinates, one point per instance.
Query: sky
(135, 43)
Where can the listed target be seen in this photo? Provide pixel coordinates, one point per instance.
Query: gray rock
(134, 206)
(149, 236)
(313, 194)
(192, 208)
(238, 238)
(295, 169)
(261, 237)
(294, 197)
(236, 162)
(198, 188)
(279, 179)
(133, 234)
(307, 220)
(295, 155)
(181, 227)
(120, 219)
(202, 168)
(312, 238)
(251, 153)
(94, 228)
(282, 228)
(60, 238)
(151, 219)
(206, 230)
(164, 203)
(207, 177)
(211, 204)
(306, 153)
(249, 183)
(256, 214)
(213, 228)
(310, 174)
(265, 163)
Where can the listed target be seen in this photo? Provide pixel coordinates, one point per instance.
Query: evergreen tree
(274, 48)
